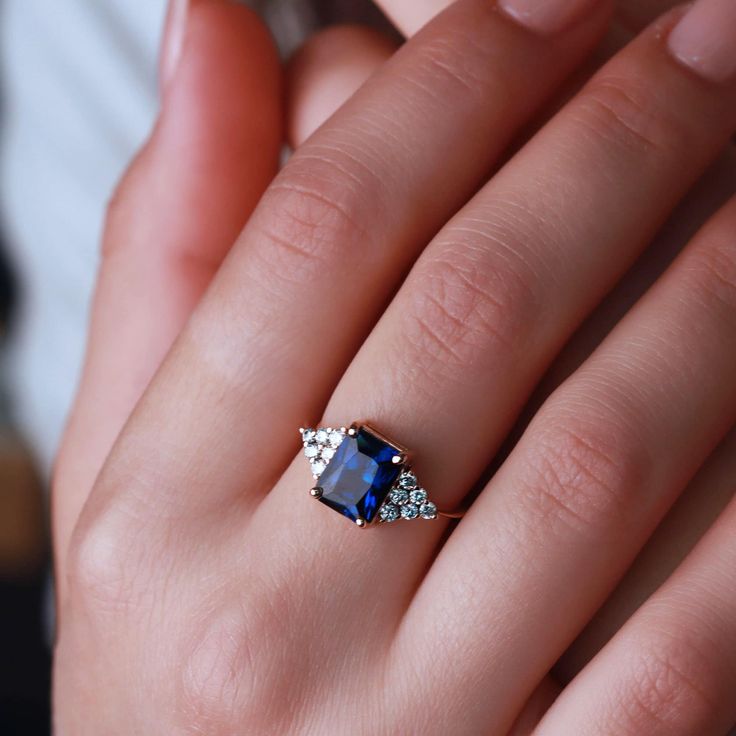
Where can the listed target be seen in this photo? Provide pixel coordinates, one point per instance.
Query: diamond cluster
(407, 500)
(320, 446)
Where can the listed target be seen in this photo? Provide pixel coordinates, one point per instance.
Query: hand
(196, 601)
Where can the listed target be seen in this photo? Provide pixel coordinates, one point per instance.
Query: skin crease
(574, 353)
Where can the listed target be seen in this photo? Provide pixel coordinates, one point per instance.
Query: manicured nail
(173, 39)
(546, 16)
(705, 39)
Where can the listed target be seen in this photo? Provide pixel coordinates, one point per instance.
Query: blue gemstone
(359, 476)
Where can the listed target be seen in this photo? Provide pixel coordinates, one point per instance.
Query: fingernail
(173, 39)
(546, 16)
(705, 39)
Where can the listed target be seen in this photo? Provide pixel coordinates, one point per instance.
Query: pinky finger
(671, 670)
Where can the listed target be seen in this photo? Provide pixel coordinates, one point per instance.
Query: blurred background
(78, 95)
(24, 675)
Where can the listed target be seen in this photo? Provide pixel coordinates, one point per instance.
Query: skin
(194, 588)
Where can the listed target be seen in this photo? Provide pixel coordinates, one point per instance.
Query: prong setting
(315, 492)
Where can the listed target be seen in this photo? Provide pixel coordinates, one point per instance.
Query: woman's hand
(203, 592)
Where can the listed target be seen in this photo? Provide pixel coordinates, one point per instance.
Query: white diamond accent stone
(320, 445)
(389, 512)
(335, 437)
(408, 481)
(399, 496)
(311, 450)
(409, 511)
(418, 496)
(428, 510)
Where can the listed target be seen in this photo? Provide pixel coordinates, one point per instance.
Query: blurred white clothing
(78, 89)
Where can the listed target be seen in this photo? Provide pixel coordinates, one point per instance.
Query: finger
(410, 15)
(588, 482)
(670, 671)
(326, 71)
(332, 236)
(636, 14)
(178, 209)
(690, 518)
(710, 193)
(706, 497)
(624, 27)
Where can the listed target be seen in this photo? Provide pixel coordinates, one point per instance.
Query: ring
(364, 476)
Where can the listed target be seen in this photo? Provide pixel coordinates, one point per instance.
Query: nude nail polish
(705, 39)
(546, 16)
(173, 39)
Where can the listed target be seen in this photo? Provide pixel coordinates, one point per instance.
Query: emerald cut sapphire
(360, 475)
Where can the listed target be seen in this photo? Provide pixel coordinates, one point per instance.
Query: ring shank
(454, 514)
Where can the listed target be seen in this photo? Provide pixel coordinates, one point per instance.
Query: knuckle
(124, 207)
(464, 304)
(229, 676)
(624, 111)
(125, 231)
(665, 686)
(100, 571)
(313, 216)
(119, 550)
(117, 215)
(712, 272)
(581, 475)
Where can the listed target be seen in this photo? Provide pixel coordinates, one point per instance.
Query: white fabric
(78, 96)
